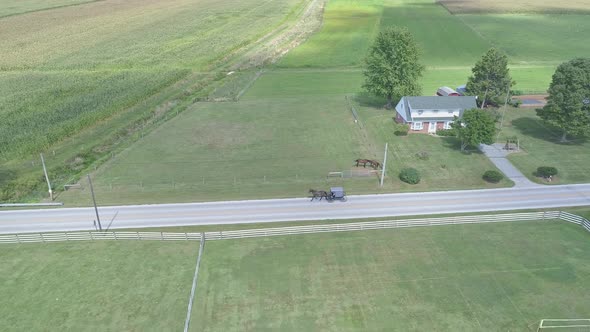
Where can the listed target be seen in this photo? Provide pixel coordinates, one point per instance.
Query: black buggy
(337, 193)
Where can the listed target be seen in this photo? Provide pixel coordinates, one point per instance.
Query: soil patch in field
(516, 6)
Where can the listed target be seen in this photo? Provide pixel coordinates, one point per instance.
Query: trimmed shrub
(493, 176)
(446, 132)
(410, 175)
(401, 130)
(546, 171)
(423, 155)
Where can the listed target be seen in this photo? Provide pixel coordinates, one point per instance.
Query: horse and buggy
(335, 193)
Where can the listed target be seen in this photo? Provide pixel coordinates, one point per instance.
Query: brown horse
(373, 163)
(362, 161)
(318, 193)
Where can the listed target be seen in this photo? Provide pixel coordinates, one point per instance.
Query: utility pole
(46, 177)
(384, 164)
(94, 201)
(504, 112)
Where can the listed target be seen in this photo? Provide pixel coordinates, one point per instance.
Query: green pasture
(496, 277)
(305, 84)
(534, 38)
(541, 147)
(518, 6)
(529, 79)
(277, 147)
(9, 8)
(351, 25)
(96, 286)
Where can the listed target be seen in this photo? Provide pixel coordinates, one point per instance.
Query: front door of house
(432, 127)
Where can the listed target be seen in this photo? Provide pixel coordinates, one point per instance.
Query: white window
(448, 125)
(417, 125)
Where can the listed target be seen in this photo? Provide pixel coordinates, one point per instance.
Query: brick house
(429, 114)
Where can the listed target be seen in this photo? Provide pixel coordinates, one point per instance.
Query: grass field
(501, 277)
(280, 140)
(9, 8)
(96, 286)
(541, 147)
(534, 38)
(519, 6)
(259, 148)
(479, 277)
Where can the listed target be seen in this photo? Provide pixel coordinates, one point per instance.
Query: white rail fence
(371, 225)
(278, 231)
(566, 216)
(90, 236)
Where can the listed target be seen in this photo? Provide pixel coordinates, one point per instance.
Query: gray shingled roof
(442, 103)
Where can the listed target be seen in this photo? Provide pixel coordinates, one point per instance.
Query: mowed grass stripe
(472, 277)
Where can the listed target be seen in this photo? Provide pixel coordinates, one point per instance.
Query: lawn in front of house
(540, 145)
(445, 167)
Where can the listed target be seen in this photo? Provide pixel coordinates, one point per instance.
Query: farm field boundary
(93, 145)
(294, 230)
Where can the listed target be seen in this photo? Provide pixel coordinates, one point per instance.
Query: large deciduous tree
(490, 80)
(568, 104)
(392, 65)
(476, 126)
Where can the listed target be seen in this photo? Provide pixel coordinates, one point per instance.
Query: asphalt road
(260, 211)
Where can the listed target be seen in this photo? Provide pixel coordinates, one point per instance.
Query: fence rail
(575, 219)
(91, 236)
(278, 231)
(225, 235)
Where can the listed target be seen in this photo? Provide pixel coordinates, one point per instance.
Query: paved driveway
(497, 156)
